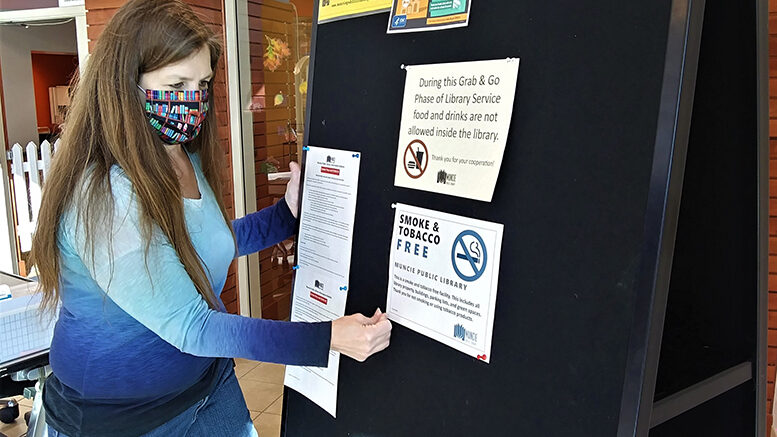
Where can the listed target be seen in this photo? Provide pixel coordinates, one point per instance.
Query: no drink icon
(416, 159)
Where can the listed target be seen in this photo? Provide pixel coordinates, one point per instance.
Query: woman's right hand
(359, 337)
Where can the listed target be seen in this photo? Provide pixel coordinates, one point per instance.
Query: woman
(134, 240)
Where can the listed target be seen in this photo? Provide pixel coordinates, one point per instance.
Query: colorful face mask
(176, 116)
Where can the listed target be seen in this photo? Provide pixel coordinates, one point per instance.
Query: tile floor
(262, 385)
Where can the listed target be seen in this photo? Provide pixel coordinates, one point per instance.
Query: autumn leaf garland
(277, 51)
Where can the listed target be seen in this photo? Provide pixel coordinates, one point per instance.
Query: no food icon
(416, 159)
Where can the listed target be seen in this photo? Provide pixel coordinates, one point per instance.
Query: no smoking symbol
(416, 159)
(469, 256)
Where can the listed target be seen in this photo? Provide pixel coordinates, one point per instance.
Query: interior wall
(49, 70)
(16, 45)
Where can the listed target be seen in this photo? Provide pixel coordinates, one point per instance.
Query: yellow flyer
(332, 10)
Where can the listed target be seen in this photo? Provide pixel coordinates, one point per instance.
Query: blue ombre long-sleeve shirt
(135, 344)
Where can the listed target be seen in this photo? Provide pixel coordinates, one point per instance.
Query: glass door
(273, 52)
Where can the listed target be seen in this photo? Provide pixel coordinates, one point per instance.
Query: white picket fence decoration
(27, 180)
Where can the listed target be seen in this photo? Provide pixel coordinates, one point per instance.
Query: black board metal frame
(661, 215)
(638, 412)
(762, 49)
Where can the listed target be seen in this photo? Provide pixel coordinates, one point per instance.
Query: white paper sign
(443, 277)
(317, 298)
(455, 122)
(321, 281)
(64, 3)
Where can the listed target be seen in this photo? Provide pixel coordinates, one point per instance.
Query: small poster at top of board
(425, 15)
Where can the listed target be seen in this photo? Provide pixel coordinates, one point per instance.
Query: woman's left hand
(292, 189)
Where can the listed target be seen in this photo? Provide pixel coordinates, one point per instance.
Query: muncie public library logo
(444, 177)
(464, 335)
(330, 170)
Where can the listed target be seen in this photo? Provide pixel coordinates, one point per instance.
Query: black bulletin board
(601, 112)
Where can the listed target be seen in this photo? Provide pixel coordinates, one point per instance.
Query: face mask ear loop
(145, 93)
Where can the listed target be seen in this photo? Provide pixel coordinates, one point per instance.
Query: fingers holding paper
(292, 189)
(359, 337)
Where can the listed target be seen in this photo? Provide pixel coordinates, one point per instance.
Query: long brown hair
(106, 125)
